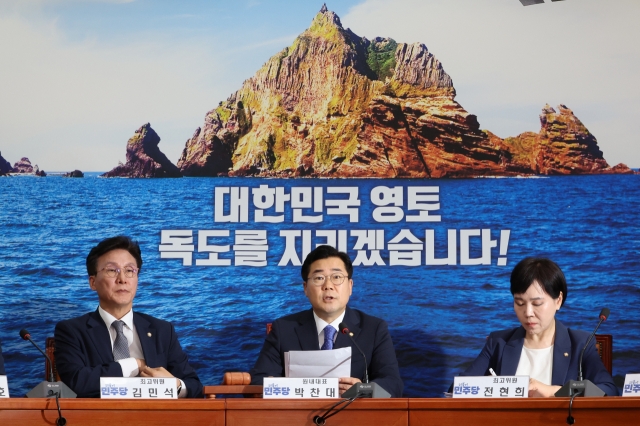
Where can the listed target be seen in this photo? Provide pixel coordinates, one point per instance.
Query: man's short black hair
(324, 252)
(120, 242)
(544, 271)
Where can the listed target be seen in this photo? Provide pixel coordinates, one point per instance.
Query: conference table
(258, 411)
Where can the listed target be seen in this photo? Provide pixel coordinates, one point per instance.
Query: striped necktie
(121, 345)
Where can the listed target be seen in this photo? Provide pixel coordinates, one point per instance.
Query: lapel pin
(566, 354)
(149, 334)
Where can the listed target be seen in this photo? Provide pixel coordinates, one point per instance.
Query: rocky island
(339, 105)
(21, 167)
(144, 158)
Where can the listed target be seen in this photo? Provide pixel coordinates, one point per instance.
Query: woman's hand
(540, 390)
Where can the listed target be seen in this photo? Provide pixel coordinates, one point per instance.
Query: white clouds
(277, 43)
(507, 60)
(59, 98)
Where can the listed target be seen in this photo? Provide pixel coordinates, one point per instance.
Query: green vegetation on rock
(224, 113)
(322, 27)
(381, 57)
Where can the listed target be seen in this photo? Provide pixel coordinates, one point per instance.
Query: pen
(493, 373)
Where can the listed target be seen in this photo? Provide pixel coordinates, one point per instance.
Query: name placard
(299, 388)
(491, 387)
(4, 387)
(138, 387)
(631, 385)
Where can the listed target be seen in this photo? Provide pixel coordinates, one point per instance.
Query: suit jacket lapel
(99, 335)
(353, 323)
(147, 335)
(307, 332)
(561, 355)
(512, 353)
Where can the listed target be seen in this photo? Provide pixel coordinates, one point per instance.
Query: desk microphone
(604, 314)
(352, 393)
(366, 389)
(50, 388)
(345, 330)
(582, 387)
(26, 336)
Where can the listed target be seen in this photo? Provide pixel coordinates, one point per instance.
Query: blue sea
(439, 316)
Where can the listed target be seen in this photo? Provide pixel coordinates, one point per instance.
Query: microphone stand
(574, 388)
(50, 388)
(366, 389)
(587, 387)
(359, 390)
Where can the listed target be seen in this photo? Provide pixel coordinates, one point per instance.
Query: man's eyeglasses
(319, 280)
(112, 272)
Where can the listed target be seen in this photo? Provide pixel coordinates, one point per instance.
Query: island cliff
(144, 158)
(335, 104)
(5, 166)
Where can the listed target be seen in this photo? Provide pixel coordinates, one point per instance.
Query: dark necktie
(329, 332)
(121, 345)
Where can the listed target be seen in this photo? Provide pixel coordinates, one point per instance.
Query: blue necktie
(329, 332)
(120, 345)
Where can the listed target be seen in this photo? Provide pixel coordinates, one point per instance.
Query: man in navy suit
(327, 283)
(114, 341)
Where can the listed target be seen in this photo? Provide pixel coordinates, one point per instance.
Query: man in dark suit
(114, 341)
(326, 275)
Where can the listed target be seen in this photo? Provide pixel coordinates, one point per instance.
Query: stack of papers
(329, 363)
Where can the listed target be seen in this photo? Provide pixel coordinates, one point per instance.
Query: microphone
(583, 387)
(366, 389)
(50, 388)
(26, 336)
(354, 392)
(345, 330)
(604, 314)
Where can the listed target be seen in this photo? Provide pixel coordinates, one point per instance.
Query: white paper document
(329, 363)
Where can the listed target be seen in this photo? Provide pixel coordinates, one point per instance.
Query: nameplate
(138, 387)
(4, 387)
(491, 387)
(631, 385)
(300, 388)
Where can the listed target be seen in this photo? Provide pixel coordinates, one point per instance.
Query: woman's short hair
(543, 271)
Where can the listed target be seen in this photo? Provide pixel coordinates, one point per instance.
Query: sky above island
(78, 77)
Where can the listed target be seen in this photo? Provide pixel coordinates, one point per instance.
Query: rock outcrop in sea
(74, 174)
(5, 166)
(144, 158)
(336, 104)
(23, 166)
(563, 146)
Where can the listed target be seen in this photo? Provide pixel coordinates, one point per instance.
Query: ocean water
(438, 316)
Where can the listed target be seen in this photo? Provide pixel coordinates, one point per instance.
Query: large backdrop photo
(438, 143)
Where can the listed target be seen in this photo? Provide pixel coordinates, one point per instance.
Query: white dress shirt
(130, 365)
